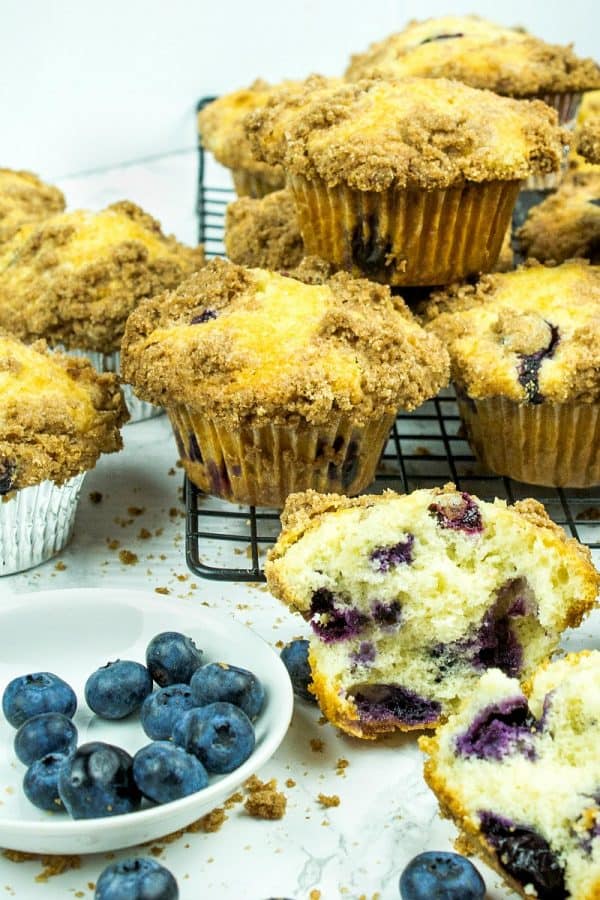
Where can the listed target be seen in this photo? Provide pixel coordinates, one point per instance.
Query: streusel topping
(24, 198)
(418, 132)
(57, 415)
(247, 345)
(528, 335)
(75, 278)
(479, 53)
(588, 141)
(264, 233)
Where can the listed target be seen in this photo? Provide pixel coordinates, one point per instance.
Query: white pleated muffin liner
(566, 105)
(36, 523)
(139, 410)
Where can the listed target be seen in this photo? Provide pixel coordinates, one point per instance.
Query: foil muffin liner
(550, 444)
(257, 184)
(36, 523)
(260, 465)
(566, 105)
(406, 237)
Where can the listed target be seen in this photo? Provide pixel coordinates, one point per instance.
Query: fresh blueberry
(458, 514)
(172, 658)
(164, 772)
(98, 781)
(220, 735)
(136, 879)
(205, 316)
(40, 692)
(40, 784)
(118, 688)
(161, 709)
(294, 656)
(220, 681)
(43, 734)
(441, 876)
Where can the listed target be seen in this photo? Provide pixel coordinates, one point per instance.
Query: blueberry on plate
(43, 734)
(136, 879)
(294, 656)
(161, 710)
(438, 875)
(172, 658)
(164, 772)
(40, 784)
(98, 781)
(117, 689)
(217, 682)
(40, 692)
(220, 735)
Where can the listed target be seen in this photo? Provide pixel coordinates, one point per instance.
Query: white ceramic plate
(72, 633)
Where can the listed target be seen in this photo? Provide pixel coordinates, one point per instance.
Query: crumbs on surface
(212, 821)
(51, 865)
(235, 798)
(95, 497)
(60, 566)
(290, 783)
(128, 558)
(162, 590)
(328, 800)
(264, 801)
(341, 765)
(317, 745)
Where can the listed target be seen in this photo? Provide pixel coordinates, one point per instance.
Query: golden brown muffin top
(74, 279)
(588, 141)
(24, 198)
(479, 53)
(251, 346)
(566, 224)
(419, 132)
(529, 335)
(264, 233)
(57, 415)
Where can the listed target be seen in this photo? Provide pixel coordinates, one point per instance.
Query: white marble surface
(386, 813)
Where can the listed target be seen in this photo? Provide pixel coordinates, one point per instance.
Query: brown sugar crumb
(317, 745)
(341, 765)
(52, 865)
(235, 798)
(290, 783)
(173, 512)
(157, 850)
(128, 558)
(136, 510)
(144, 534)
(95, 497)
(266, 804)
(171, 471)
(591, 514)
(212, 821)
(328, 801)
(60, 566)
(322, 720)
(182, 577)
(113, 543)
(162, 590)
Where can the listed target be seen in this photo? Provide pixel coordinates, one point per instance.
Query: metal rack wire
(226, 542)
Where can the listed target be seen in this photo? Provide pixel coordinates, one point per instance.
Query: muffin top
(417, 132)
(220, 124)
(23, 199)
(57, 415)
(529, 335)
(588, 141)
(75, 278)
(250, 346)
(567, 223)
(264, 233)
(480, 53)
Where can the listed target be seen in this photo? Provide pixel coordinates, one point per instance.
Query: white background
(88, 84)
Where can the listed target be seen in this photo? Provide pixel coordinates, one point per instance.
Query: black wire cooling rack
(225, 542)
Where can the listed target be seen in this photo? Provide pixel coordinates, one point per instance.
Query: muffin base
(550, 444)
(406, 237)
(260, 465)
(36, 523)
(256, 185)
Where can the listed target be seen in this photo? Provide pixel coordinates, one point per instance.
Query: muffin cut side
(410, 598)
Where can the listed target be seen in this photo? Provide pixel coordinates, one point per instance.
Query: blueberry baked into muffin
(57, 415)
(74, 279)
(525, 351)
(405, 182)
(411, 598)
(274, 385)
(24, 199)
(518, 772)
(566, 224)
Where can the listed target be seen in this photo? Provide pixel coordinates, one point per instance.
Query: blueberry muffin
(274, 385)
(566, 224)
(482, 54)
(525, 350)
(264, 233)
(588, 141)
(57, 415)
(406, 182)
(74, 279)
(518, 771)
(411, 598)
(24, 199)
(220, 124)
(589, 109)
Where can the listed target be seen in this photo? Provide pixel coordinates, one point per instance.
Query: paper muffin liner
(566, 105)
(36, 523)
(139, 410)
(260, 465)
(256, 184)
(406, 237)
(551, 444)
